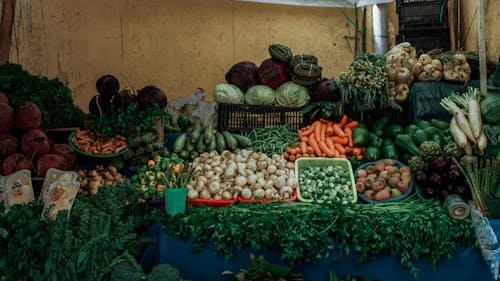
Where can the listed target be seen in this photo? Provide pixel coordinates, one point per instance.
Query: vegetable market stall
(199, 258)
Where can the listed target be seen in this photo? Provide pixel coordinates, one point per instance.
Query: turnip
(6, 118)
(64, 150)
(27, 116)
(48, 161)
(8, 144)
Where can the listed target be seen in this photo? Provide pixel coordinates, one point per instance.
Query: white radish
(474, 112)
(482, 142)
(468, 148)
(461, 119)
(457, 134)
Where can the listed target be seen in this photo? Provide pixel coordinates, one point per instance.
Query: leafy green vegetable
(290, 94)
(51, 96)
(100, 231)
(412, 230)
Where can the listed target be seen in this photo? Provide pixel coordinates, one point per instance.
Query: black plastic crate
(426, 39)
(244, 117)
(418, 14)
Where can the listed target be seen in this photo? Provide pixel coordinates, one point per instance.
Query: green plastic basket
(175, 200)
(323, 162)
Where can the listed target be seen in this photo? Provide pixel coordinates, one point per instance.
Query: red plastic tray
(210, 202)
(292, 199)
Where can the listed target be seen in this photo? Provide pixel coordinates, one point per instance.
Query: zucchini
(243, 141)
(220, 142)
(179, 143)
(184, 154)
(195, 134)
(193, 155)
(431, 131)
(208, 134)
(231, 142)
(212, 145)
(440, 124)
(189, 146)
(200, 145)
(410, 130)
(422, 124)
(393, 130)
(360, 136)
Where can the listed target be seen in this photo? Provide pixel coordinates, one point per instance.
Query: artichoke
(430, 150)
(416, 163)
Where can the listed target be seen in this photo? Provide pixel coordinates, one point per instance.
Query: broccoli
(430, 150)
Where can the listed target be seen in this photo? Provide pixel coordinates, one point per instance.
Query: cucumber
(184, 154)
(243, 141)
(208, 134)
(440, 124)
(189, 146)
(195, 134)
(179, 143)
(193, 154)
(220, 141)
(231, 142)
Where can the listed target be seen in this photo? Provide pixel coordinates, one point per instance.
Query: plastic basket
(323, 162)
(175, 200)
(244, 117)
(91, 154)
(291, 199)
(210, 202)
(392, 199)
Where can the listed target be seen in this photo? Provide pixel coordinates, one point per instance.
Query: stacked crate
(424, 23)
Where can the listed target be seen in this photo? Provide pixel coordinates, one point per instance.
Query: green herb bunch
(412, 230)
(130, 121)
(52, 97)
(100, 231)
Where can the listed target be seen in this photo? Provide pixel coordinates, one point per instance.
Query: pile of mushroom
(253, 175)
(457, 69)
(399, 64)
(428, 69)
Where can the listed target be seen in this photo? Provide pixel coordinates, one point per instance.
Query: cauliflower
(430, 150)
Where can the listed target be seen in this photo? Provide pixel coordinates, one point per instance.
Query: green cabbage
(260, 95)
(290, 94)
(228, 93)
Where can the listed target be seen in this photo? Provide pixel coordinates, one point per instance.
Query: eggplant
(428, 192)
(436, 181)
(421, 178)
(442, 195)
(438, 165)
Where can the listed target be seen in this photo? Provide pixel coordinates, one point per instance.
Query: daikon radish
(461, 119)
(474, 113)
(457, 134)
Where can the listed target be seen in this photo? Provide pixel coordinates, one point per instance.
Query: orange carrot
(360, 157)
(348, 132)
(291, 150)
(303, 139)
(329, 129)
(330, 144)
(322, 133)
(286, 155)
(348, 149)
(292, 158)
(336, 154)
(342, 141)
(324, 148)
(339, 147)
(306, 131)
(357, 151)
(314, 144)
(343, 156)
(343, 121)
(338, 131)
(317, 130)
(303, 147)
(352, 124)
(326, 121)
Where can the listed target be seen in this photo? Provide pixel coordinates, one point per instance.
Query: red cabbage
(272, 73)
(243, 75)
(325, 90)
(151, 95)
(107, 86)
(123, 99)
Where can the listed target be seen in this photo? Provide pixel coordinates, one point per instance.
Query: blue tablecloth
(466, 265)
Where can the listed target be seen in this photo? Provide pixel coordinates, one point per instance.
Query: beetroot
(35, 143)
(272, 73)
(1, 168)
(28, 116)
(4, 98)
(6, 118)
(48, 161)
(8, 144)
(15, 162)
(64, 150)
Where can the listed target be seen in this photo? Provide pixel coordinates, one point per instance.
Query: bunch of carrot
(326, 138)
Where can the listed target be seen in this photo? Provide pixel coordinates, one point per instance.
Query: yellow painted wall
(469, 27)
(175, 45)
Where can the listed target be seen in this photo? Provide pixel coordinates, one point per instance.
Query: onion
(437, 65)
(417, 68)
(403, 75)
(425, 59)
(436, 75)
(392, 74)
(428, 69)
